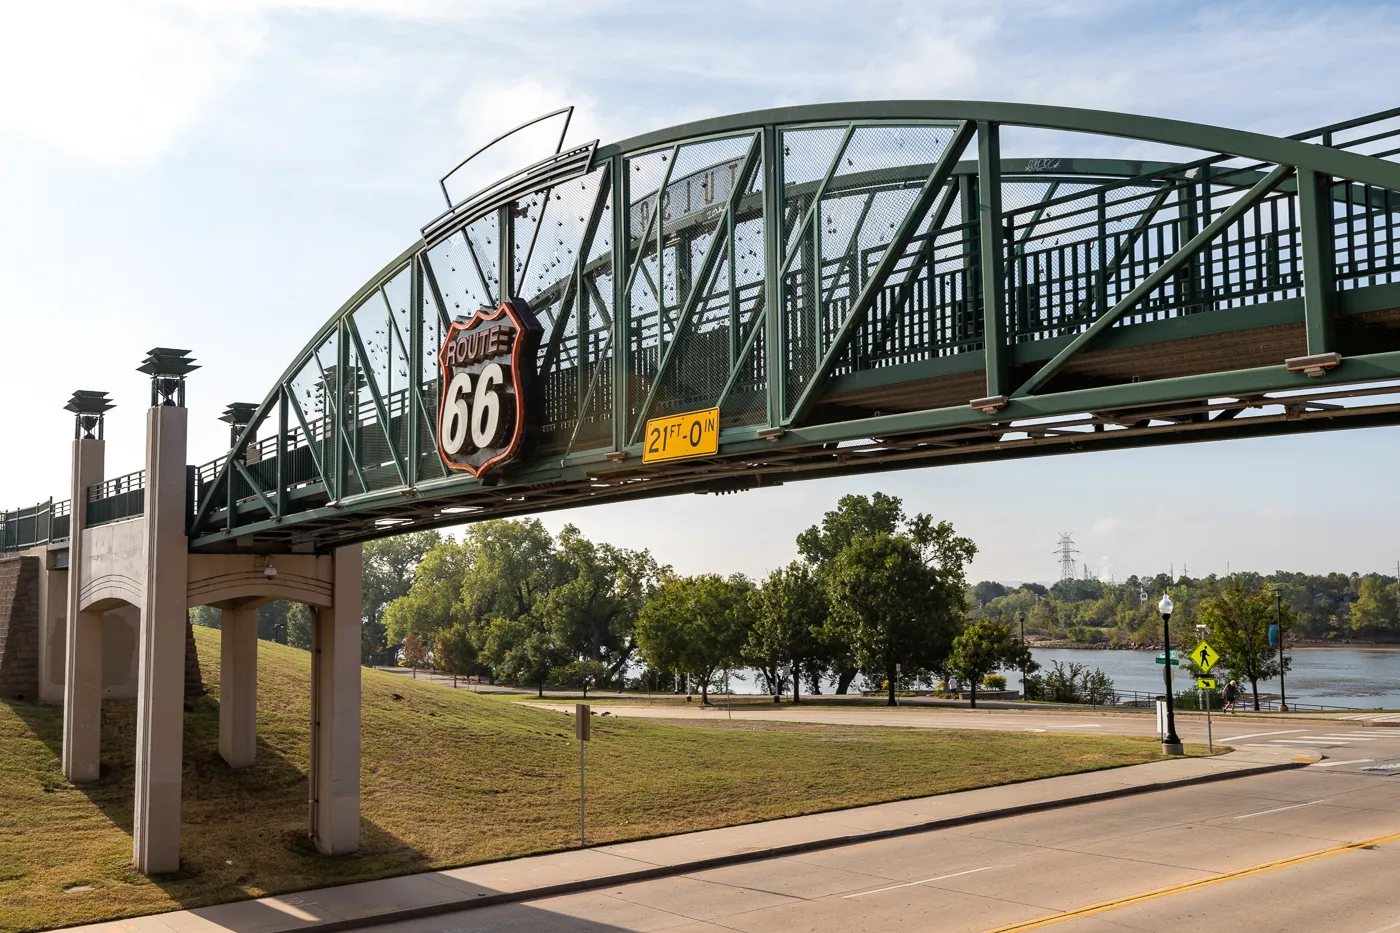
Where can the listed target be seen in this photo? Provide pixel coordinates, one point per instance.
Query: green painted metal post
(1319, 265)
(414, 387)
(772, 285)
(993, 258)
(622, 304)
(505, 267)
(284, 450)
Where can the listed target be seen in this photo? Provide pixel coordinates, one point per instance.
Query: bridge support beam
(335, 711)
(993, 258)
(238, 687)
(160, 704)
(82, 677)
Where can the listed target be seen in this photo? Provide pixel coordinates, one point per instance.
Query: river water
(1360, 678)
(1364, 678)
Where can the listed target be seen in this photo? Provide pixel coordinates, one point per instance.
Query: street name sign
(1162, 659)
(675, 437)
(1205, 657)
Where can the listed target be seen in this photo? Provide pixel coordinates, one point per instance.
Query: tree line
(1324, 607)
(876, 595)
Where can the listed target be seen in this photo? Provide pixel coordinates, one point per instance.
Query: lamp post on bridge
(1171, 744)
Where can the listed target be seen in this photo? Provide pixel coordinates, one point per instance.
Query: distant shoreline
(1304, 646)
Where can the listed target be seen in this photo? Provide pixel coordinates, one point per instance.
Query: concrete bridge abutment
(140, 566)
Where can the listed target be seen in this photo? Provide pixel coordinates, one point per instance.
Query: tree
(697, 625)
(897, 602)
(1374, 612)
(513, 566)
(988, 590)
(454, 651)
(414, 654)
(432, 602)
(593, 606)
(522, 650)
(790, 609)
(206, 616)
(299, 626)
(984, 647)
(1238, 621)
(820, 545)
(389, 566)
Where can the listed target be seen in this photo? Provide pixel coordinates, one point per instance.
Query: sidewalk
(412, 896)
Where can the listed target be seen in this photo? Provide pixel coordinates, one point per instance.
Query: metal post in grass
(583, 726)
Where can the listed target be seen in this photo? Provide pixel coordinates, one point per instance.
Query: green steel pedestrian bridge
(857, 287)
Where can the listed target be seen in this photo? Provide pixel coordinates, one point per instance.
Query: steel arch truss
(857, 287)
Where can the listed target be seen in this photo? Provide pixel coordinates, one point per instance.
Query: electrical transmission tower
(1067, 551)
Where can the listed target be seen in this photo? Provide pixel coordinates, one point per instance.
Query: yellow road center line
(1192, 885)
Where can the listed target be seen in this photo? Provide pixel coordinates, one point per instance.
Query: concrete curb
(739, 858)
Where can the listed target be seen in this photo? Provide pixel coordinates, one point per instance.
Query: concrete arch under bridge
(724, 305)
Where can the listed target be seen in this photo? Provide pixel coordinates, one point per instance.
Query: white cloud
(115, 82)
(1105, 526)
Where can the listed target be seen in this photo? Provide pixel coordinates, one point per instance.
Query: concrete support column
(160, 704)
(238, 687)
(335, 711)
(82, 668)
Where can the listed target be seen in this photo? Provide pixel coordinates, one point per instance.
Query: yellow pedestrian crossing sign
(1205, 683)
(1205, 657)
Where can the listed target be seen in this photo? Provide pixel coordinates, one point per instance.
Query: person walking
(1232, 693)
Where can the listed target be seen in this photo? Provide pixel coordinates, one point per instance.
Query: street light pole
(1171, 744)
(1278, 608)
(1023, 656)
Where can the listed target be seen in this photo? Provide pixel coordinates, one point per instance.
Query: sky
(220, 175)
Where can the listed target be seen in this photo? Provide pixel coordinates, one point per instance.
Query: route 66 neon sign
(488, 368)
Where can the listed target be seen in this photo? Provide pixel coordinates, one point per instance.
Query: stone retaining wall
(19, 627)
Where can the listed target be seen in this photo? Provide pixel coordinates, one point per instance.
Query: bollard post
(583, 726)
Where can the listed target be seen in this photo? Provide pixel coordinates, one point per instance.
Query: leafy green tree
(206, 616)
(454, 651)
(432, 603)
(988, 590)
(789, 611)
(697, 625)
(593, 605)
(522, 650)
(821, 545)
(389, 566)
(299, 626)
(897, 602)
(513, 566)
(272, 621)
(1238, 623)
(985, 647)
(1375, 612)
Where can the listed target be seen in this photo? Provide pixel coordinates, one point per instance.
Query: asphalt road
(1313, 849)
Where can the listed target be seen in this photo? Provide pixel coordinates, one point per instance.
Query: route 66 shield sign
(486, 387)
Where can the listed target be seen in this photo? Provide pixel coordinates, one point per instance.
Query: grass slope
(449, 778)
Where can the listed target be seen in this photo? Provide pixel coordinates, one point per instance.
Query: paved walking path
(411, 896)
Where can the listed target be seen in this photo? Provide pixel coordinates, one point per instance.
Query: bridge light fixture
(238, 415)
(1315, 365)
(270, 572)
(167, 369)
(89, 409)
(989, 405)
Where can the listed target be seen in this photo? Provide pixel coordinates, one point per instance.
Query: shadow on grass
(243, 832)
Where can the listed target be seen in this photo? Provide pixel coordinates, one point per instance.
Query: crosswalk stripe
(1336, 764)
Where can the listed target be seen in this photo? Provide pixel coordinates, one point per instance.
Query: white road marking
(1259, 735)
(909, 884)
(1337, 764)
(1296, 806)
(1348, 738)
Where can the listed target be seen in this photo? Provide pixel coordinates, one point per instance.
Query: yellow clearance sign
(693, 434)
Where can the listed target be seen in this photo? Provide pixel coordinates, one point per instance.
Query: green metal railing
(36, 526)
(115, 499)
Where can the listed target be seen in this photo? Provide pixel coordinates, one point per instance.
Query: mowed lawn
(450, 778)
